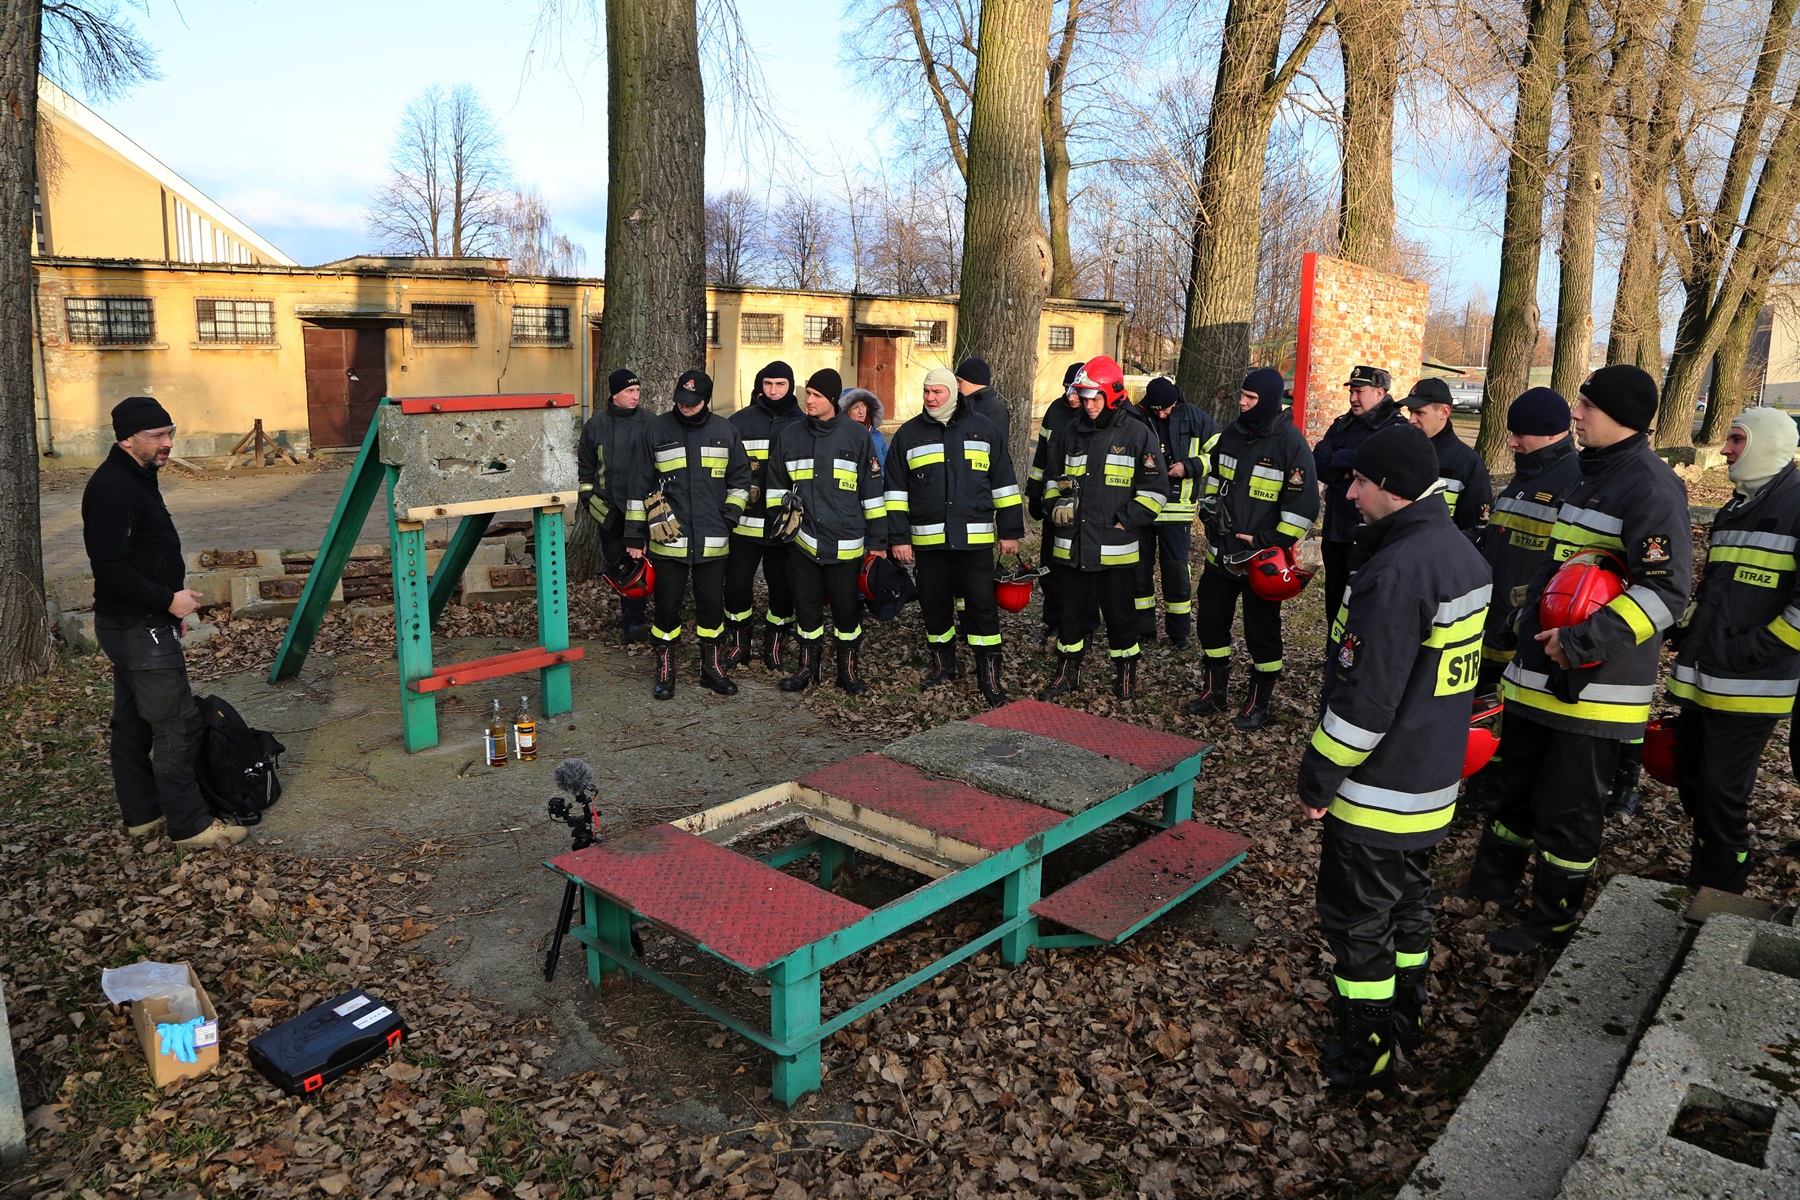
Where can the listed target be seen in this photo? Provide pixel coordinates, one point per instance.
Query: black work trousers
(1215, 602)
(1553, 790)
(1337, 578)
(814, 584)
(1116, 586)
(672, 576)
(155, 726)
(946, 575)
(1716, 756)
(1165, 545)
(1374, 904)
(1053, 594)
(740, 580)
(612, 549)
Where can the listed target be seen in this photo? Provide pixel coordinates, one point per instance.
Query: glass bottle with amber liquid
(525, 732)
(495, 737)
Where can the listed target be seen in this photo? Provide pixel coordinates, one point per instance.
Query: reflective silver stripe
(1720, 686)
(713, 454)
(1390, 800)
(1762, 541)
(671, 454)
(750, 522)
(1525, 508)
(928, 530)
(980, 527)
(1075, 460)
(979, 445)
(899, 497)
(756, 443)
(918, 452)
(1601, 693)
(717, 543)
(1451, 485)
(1144, 494)
(1225, 460)
(1451, 611)
(775, 495)
(1011, 489)
(1591, 518)
(1294, 518)
(1791, 615)
(741, 495)
(799, 464)
(1267, 473)
(1652, 604)
(680, 543)
(1064, 543)
(1353, 736)
(874, 502)
(844, 464)
(634, 506)
(1120, 460)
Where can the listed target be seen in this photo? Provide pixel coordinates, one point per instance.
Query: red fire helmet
(1483, 742)
(1104, 376)
(633, 579)
(1012, 588)
(1659, 750)
(1581, 587)
(1275, 574)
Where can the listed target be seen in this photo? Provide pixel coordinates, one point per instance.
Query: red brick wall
(1351, 315)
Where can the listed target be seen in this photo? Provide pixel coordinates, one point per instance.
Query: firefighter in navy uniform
(611, 440)
(829, 463)
(693, 465)
(952, 498)
(1065, 408)
(772, 407)
(1468, 492)
(974, 383)
(1385, 762)
(1574, 694)
(1371, 408)
(1104, 483)
(1186, 436)
(1545, 467)
(1259, 493)
(1737, 662)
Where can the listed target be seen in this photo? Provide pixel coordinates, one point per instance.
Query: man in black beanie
(610, 442)
(140, 611)
(1186, 436)
(974, 383)
(1371, 408)
(1574, 695)
(1383, 765)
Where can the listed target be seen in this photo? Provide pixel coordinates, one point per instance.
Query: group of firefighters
(1558, 594)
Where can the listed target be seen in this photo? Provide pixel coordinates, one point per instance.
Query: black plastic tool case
(304, 1054)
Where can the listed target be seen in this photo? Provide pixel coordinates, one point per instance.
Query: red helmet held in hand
(1104, 377)
(1581, 587)
(1659, 750)
(633, 579)
(1275, 574)
(1483, 743)
(1012, 587)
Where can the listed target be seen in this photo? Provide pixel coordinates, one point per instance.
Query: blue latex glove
(178, 1040)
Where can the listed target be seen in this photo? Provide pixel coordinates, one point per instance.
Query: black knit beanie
(1161, 393)
(1069, 375)
(619, 380)
(975, 371)
(1398, 459)
(1624, 392)
(1539, 411)
(827, 383)
(134, 414)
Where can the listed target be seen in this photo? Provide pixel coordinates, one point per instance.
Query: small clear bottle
(496, 737)
(525, 732)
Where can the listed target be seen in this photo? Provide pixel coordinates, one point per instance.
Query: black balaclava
(1268, 384)
(789, 404)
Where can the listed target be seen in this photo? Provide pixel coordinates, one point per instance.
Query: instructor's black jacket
(1468, 492)
(132, 545)
(1332, 458)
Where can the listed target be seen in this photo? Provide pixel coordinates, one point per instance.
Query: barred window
(111, 320)
(824, 331)
(712, 327)
(1062, 337)
(235, 320)
(932, 333)
(540, 325)
(443, 324)
(761, 329)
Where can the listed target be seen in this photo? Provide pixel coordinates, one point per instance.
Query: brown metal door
(346, 377)
(876, 357)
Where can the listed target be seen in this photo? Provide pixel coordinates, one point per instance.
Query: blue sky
(283, 112)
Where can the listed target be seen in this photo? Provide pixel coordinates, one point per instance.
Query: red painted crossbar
(739, 909)
(1149, 749)
(414, 405)
(477, 669)
(943, 806)
(1118, 897)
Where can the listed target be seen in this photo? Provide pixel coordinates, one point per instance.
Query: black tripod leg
(571, 897)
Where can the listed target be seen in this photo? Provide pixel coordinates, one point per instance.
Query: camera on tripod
(577, 778)
(579, 816)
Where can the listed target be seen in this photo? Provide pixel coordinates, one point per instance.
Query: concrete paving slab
(1726, 1039)
(1023, 765)
(1528, 1116)
(476, 457)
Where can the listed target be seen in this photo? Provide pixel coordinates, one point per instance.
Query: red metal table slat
(1117, 895)
(941, 805)
(736, 907)
(1148, 749)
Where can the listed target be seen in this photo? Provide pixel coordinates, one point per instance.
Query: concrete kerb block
(1527, 1118)
(1726, 1039)
(247, 599)
(12, 1110)
(73, 593)
(77, 631)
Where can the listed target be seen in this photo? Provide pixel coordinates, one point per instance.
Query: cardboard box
(164, 1069)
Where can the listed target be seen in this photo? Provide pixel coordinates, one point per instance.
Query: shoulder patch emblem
(1150, 461)
(1654, 550)
(1486, 509)
(1296, 477)
(1347, 649)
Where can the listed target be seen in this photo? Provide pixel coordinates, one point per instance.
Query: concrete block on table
(455, 460)
(1023, 765)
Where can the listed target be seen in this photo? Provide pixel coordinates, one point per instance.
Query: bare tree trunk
(1581, 207)
(1006, 258)
(24, 621)
(1522, 231)
(1369, 38)
(1221, 294)
(1731, 383)
(654, 314)
(1056, 158)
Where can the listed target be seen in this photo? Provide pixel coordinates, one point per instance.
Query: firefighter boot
(1719, 868)
(1409, 1006)
(943, 665)
(1624, 799)
(771, 647)
(849, 672)
(1499, 866)
(1556, 897)
(665, 671)
(1255, 713)
(737, 643)
(810, 652)
(1363, 1056)
(1212, 693)
(714, 663)
(987, 677)
(1125, 679)
(1067, 678)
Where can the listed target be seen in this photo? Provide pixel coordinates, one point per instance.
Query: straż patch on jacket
(1654, 550)
(1296, 477)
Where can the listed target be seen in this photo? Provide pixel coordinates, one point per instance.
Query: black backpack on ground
(236, 766)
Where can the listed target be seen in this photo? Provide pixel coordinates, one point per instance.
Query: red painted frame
(478, 669)
(1303, 340)
(430, 404)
